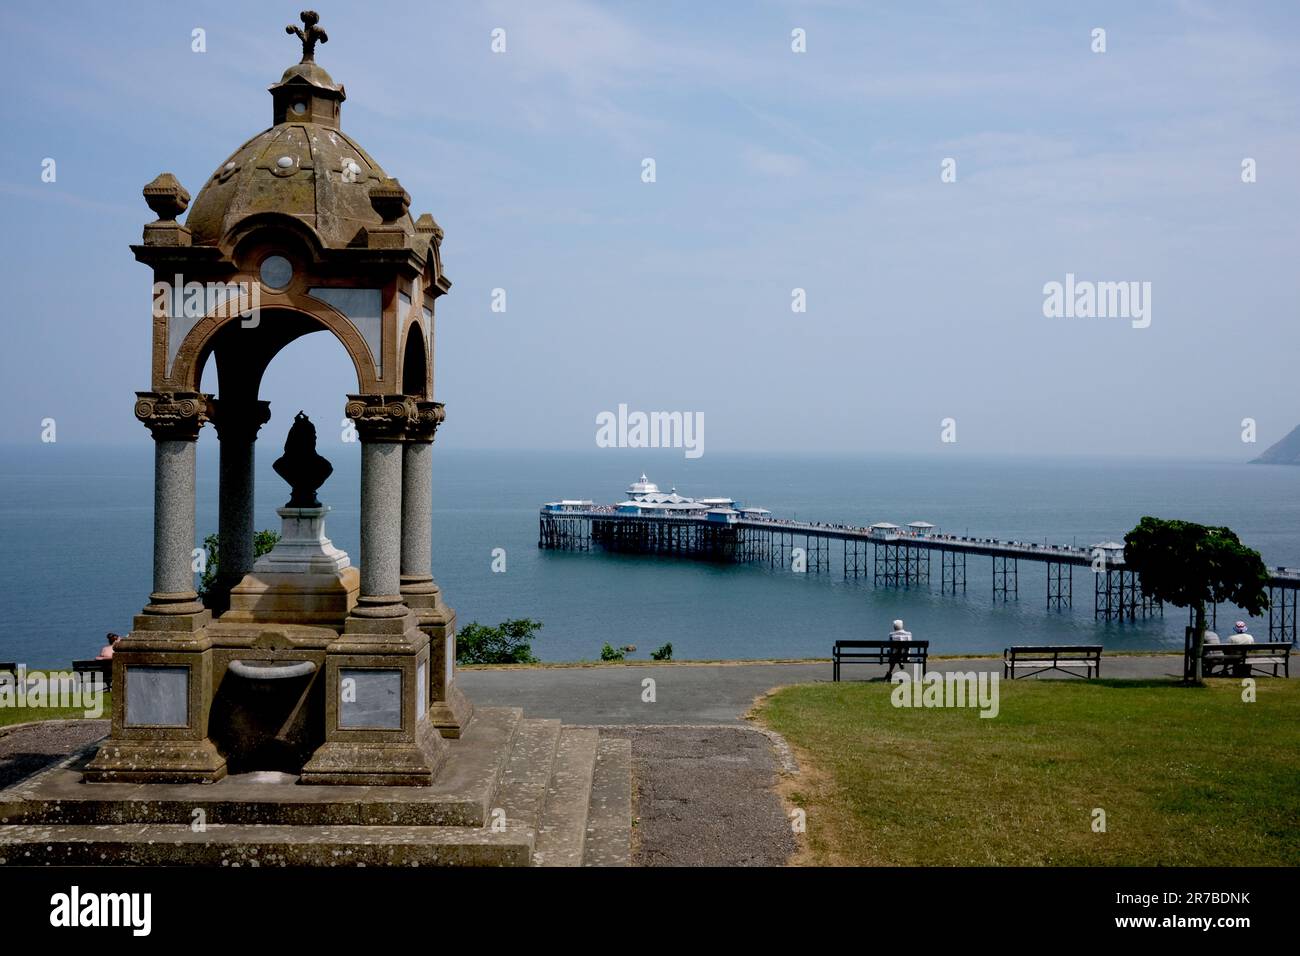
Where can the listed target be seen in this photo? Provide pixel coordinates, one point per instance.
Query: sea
(76, 534)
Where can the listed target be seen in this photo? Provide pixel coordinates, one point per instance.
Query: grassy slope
(1187, 776)
(21, 715)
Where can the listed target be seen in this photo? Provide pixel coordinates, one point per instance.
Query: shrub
(263, 542)
(611, 653)
(510, 642)
(664, 653)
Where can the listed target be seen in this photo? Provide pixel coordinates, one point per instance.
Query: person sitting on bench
(1240, 634)
(106, 652)
(1210, 637)
(896, 657)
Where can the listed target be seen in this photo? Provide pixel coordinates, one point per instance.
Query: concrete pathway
(737, 820)
(701, 693)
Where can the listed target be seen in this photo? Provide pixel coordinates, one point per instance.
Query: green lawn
(1186, 775)
(12, 714)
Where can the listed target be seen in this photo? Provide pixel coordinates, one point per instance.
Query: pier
(891, 556)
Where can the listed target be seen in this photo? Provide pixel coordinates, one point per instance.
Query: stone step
(462, 794)
(165, 844)
(522, 794)
(562, 831)
(609, 814)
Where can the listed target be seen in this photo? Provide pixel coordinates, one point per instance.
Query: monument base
(156, 761)
(304, 579)
(372, 763)
(512, 792)
(449, 709)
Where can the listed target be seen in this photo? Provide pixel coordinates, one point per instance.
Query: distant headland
(1284, 452)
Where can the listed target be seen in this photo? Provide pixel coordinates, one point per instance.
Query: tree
(510, 642)
(1191, 565)
(263, 541)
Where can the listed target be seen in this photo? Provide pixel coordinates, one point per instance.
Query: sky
(775, 171)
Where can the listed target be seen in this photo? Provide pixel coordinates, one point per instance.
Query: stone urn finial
(426, 223)
(166, 197)
(300, 466)
(390, 200)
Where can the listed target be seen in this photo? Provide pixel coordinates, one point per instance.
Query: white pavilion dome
(643, 486)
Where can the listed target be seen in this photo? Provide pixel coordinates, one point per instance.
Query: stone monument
(302, 231)
(308, 707)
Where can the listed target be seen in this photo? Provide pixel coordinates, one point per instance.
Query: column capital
(428, 416)
(173, 416)
(394, 418)
(238, 419)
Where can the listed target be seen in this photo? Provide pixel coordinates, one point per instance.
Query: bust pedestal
(304, 579)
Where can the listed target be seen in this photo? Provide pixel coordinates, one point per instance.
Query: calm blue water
(75, 538)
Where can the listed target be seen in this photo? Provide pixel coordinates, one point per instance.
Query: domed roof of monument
(317, 174)
(311, 72)
(304, 166)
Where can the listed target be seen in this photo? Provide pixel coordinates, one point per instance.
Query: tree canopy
(1189, 565)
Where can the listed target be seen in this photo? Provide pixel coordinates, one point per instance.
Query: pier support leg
(952, 571)
(1281, 614)
(1060, 586)
(1006, 578)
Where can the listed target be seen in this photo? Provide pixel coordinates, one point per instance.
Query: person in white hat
(896, 658)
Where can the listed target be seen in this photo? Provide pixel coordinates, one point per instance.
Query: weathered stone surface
(522, 794)
(562, 831)
(537, 774)
(178, 844)
(609, 813)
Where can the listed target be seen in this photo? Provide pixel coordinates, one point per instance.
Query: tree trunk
(1198, 641)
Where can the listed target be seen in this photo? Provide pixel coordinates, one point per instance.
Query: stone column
(162, 671)
(381, 529)
(175, 420)
(237, 424)
(448, 708)
(417, 515)
(379, 732)
(381, 426)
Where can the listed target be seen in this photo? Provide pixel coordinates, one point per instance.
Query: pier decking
(897, 558)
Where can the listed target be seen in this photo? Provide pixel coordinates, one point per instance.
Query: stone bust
(300, 466)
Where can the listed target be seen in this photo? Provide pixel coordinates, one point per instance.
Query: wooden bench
(102, 667)
(1241, 660)
(1052, 657)
(891, 653)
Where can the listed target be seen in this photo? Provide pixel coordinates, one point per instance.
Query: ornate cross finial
(309, 36)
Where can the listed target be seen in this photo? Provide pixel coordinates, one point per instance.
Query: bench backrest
(1056, 650)
(1271, 649)
(875, 645)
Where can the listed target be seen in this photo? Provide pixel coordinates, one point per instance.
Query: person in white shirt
(1209, 638)
(896, 657)
(1240, 634)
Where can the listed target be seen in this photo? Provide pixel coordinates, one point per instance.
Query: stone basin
(271, 670)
